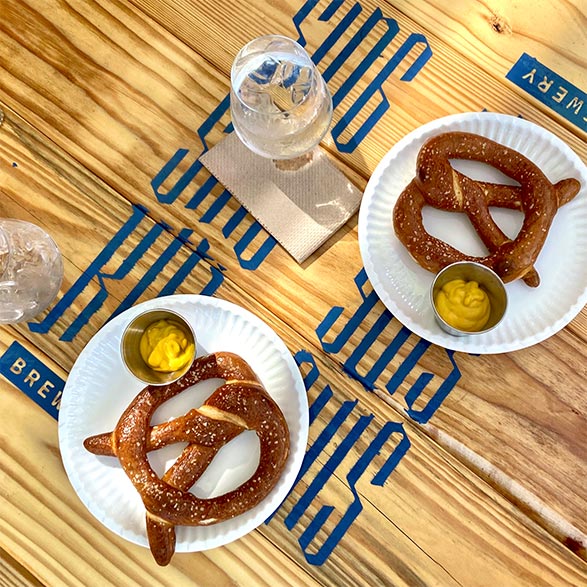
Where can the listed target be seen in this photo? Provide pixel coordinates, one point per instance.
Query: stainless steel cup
(487, 280)
(130, 346)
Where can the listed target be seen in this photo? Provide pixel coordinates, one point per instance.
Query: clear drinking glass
(31, 270)
(281, 107)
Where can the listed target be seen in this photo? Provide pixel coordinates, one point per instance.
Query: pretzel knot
(241, 403)
(439, 185)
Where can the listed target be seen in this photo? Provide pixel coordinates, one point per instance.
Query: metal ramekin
(487, 280)
(130, 346)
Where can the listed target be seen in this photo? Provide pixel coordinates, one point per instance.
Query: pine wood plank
(287, 287)
(12, 574)
(314, 288)
(463, 38)
(494, 35)
(406, 534)
(409, 543)
(50, 532)
(478, 387)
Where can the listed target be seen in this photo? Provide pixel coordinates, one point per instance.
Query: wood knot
(575, 546)
(500, 25)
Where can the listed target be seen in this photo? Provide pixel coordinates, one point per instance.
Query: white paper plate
(99, 388)
(533, 314)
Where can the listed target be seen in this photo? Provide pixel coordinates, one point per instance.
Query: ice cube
(265, 73)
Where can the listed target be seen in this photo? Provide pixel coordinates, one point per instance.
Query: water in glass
(281, 107)
(31, 270)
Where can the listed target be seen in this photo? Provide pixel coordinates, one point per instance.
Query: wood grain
(480, 405)
(49, 531)
(12, 574)
(399, 552)
(414, 527)
(96, 98)
(495, 34)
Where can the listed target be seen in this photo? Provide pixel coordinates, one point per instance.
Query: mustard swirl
(463, 305)
(165, 346)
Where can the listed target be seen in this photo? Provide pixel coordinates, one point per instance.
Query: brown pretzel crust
(241, 403)
(192, 427)
(437, 184)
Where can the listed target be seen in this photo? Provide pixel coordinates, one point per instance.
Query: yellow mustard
(463, 305)
(165, 346)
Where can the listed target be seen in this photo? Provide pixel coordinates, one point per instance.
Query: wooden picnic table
(104, 107)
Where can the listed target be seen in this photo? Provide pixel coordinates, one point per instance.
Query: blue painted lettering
(414, 42)
(106, 257)
(371, 304)
(317, 555)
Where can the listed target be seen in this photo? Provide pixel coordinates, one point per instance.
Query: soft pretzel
(240, 403)
(206, 436)
(437, 184)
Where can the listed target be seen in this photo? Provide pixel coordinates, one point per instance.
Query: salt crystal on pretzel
(439, 185)
(241, 403)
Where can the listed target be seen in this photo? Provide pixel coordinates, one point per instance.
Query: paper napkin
(300, 202)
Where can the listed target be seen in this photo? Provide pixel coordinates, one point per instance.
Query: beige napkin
(301, 202)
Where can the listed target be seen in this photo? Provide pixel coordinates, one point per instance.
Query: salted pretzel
(241, 403)
(439, 185)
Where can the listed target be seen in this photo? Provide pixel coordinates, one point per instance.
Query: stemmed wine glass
(31, 270)
(281, 107)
